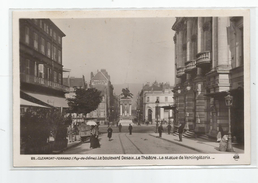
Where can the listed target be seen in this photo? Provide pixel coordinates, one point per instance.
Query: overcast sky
(132, 50)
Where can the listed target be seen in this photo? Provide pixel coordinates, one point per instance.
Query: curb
(179, 144)
(69, 147)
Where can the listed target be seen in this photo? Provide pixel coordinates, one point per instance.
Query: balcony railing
(180, 72)
(42, 82)
(203, 58)
(190, 65)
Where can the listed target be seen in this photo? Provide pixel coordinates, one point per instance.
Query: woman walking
(94, 141)
(110, 130)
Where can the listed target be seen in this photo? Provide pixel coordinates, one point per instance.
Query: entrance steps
(191, 134)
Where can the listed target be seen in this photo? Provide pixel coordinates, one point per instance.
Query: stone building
(41, 69)
(152, 100)
(209, 63)
(101, 81)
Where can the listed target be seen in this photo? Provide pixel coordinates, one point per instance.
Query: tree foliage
(126, 93)
(85, 101)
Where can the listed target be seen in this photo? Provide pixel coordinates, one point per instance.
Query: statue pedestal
(125, 108)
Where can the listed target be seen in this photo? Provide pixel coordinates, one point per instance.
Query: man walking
(130, 129)
(180, 131)
(120, 127)
(169, 128)
(160, 129)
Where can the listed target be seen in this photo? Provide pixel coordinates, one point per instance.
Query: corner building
(41, 69)
(208, 63)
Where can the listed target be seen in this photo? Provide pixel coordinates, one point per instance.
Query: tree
(85, 101)
(126, 93)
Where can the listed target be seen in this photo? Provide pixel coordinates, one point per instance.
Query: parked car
(125, 122)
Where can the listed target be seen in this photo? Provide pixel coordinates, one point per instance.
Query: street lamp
(229, 102)
(138, 112)
(157, 106)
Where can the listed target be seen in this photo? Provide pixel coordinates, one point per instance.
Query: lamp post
(157, 115)
(138, 115)
(229, 102)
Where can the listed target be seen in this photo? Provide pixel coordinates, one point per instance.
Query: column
(161, 113)
(130, 109)
(200, 35)
(121, 110)
(189, 41)
(214, 42)
(180, 50)
(223, 53)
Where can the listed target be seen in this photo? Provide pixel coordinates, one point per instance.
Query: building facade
(101, 81)
(209, 63)
(152, 100)
(73, 84)
(41, 69)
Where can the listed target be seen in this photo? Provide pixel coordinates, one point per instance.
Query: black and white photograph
(131, 88)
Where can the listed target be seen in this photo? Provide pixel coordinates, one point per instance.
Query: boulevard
(140, 142)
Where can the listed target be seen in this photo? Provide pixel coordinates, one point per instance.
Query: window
(54, 53)
(48, 49)
(27, 69)
(59, 78)
(40, 24)
(59, 39)
(41, 70)
(166, 99)
(42, 45)
(35, 69)
(148, 99)
(54, 35)
(48, 73)
(157, 98)
(45, 27)
(27, 35)
(35, 41)
(59, 56)
(47, 30)
(50, 32)
(55, 76)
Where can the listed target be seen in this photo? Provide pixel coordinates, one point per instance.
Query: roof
(99, 76)
(74, 82)
(156, 86)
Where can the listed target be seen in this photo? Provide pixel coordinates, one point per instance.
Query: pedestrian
(130, 129)
(160, 129)
(169, 128)
(220, 133)
(94, 141)
(180, 131)
(120, 127)
(110, 130)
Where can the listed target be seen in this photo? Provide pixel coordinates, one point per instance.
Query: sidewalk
(197, 144)
(69, 146)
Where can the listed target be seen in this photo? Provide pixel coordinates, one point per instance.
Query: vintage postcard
(131, 87)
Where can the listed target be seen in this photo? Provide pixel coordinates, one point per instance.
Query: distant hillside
(133, 87)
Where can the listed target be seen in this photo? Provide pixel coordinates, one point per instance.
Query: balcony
(42, 82)
(190, 65)
(203, 58)
(180, 72)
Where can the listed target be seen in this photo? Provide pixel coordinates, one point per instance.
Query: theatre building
(41, 69)
(209, 64)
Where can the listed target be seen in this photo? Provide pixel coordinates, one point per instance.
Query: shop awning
(27, 103)
(50, 100)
